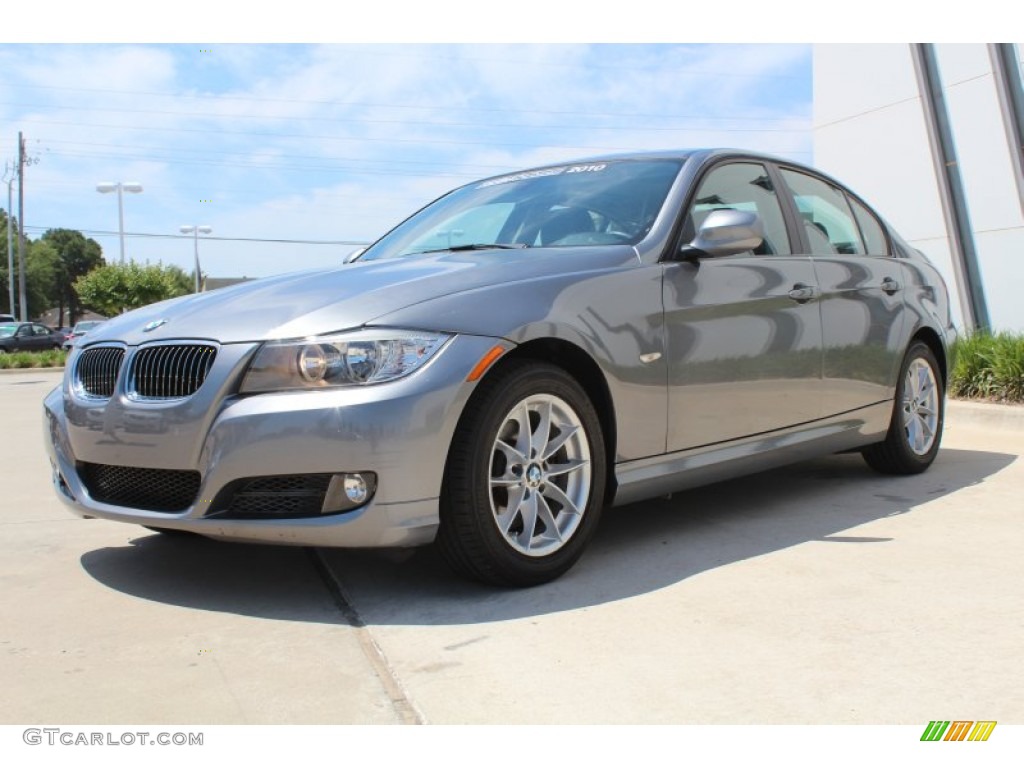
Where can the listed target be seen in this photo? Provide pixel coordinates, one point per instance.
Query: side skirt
(659, 475)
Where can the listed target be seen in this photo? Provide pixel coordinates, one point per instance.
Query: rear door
(862, 308)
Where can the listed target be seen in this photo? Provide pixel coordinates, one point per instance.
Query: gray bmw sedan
(514, 357)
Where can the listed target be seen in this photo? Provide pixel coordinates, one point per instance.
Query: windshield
(7, 330)
(604, 203)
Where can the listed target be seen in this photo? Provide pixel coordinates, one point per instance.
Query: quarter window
(828, 222)
(742, 187)
(874, 236)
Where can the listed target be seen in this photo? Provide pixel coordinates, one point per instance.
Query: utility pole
(23, 308)
(9, 170)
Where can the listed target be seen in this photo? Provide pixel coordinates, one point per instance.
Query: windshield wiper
(476, 247)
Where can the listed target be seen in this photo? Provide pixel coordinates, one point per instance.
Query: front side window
(603, 203)
(742, 187)
(828, 222)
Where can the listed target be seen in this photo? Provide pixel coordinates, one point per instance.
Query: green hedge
(989, 367)
(51, 358)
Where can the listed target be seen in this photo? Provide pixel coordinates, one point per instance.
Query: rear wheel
(524, 485)
(915, 431)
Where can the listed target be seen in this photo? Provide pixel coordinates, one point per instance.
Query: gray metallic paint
(739, 376)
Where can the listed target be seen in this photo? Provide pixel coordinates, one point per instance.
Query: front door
(744, 348)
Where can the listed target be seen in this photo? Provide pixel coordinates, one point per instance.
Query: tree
(115, 288)
(77, 256)
(42, 270)
(42, 267)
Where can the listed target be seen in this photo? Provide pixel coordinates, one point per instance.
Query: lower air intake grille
(157, 490)
(169, 371)
(276, 496)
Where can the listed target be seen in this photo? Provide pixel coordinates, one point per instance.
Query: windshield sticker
(543, 172)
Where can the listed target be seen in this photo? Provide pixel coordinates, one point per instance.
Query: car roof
(680, 155)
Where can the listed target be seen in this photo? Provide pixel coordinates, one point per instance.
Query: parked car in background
(514, 357)
(81, 329)
(8, 319)
(18, 337)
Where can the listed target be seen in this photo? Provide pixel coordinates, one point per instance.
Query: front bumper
(401, 431)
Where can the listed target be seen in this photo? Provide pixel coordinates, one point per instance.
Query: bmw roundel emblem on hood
(154, 325)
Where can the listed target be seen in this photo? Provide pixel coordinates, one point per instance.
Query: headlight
(344, 359)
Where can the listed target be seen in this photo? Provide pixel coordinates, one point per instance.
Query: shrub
(51, 358)
(989, 367)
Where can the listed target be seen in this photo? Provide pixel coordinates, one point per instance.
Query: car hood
(349, 296)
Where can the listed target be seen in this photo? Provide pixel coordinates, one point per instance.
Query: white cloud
(340, 142)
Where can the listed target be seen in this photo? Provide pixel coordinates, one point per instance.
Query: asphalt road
(819, 593)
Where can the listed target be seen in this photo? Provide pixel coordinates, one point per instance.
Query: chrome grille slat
(97, 369)
(169, 371)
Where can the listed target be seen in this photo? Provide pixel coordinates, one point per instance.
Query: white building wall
(870, 132)
(986, 169)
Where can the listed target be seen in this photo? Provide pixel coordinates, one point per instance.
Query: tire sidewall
(518, 381)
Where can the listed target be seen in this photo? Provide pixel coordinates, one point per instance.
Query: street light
(195, 231)
(120, 187)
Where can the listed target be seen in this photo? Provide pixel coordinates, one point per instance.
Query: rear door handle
(802, 292)
(890, 286)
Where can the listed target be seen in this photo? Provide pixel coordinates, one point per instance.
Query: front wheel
(525, 480)
(915, 431)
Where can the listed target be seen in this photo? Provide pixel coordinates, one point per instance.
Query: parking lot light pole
(195, 231)
(120, 187)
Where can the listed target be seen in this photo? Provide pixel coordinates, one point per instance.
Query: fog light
(348, 491)
(355, 489)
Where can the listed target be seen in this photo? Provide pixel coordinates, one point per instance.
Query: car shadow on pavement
(638, 549)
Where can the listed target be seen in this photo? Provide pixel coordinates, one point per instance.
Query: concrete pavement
(818, 593)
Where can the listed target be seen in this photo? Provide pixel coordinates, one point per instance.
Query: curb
(30, 370)
(985, 415)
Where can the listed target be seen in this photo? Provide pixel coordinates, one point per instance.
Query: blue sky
(314, 146)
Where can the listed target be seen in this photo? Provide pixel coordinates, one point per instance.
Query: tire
(518, 508)
(915, 430)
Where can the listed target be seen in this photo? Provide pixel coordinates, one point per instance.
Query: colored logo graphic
(958, 730)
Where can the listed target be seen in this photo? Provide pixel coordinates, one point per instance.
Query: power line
(347, 119)
(446, 108)
(372, 139)
(162, 236)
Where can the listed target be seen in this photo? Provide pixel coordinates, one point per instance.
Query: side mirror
(725, 232)
(353, 256)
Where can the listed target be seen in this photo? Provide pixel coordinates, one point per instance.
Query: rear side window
(828, 221)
